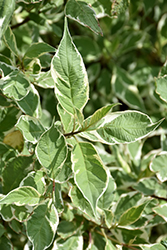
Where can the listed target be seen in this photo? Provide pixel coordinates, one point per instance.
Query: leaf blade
(83, 14)
(69, 74)
(51, 151)
(21, 196)
(89, 173)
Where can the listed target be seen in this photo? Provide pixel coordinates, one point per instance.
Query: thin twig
(26, 20)
(122, 244)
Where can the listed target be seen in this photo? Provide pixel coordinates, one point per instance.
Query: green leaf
(31, 128)
(6, 11)
(16, 226)
(126, 90)
(135, 151)
(156, 246)
(21, 196)
(35, 180)
(125, 202)
(107, 198)
(66, 229)
(132, 215)
(42, 225)
(3, 149)
(44, 80)
(109, 245)
(130, 236)
(89, 53)
(127, 127)
(51, 151)
(7, 212)
(151, 186)
(69, 74)
(83, 14)
(15, 85)
(161, 87)
(66, 118)
(73, 242)
(58, 198)
(8, 118)
(5, 243)
(89, 173)
(2, 230)
(6, 68)
(161, 210)
(108, 217)
(95, 120)
(10, 41)
(22, 213)
(158, 165)
(82, 204)
(66, 171)
(30, 104)
(38, 49)
(15, 170)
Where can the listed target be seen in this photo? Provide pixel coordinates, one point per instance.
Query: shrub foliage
(83, 152)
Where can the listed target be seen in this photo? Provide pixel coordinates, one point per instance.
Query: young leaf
(21, 196)
(42, 225)
(128, 127)
(69, 74)
(6, 10)
(89, 173)
(31, 128)
(95, 120)
(51, 151)
(83, 14)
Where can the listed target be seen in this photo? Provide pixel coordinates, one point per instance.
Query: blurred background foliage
(122, 66)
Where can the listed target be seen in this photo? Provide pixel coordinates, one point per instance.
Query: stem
(73, 133)
(53, 191)
(116, 241)
(19, 24)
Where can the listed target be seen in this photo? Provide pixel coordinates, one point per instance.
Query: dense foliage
(83, 149)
